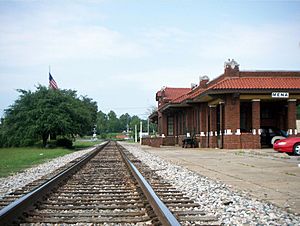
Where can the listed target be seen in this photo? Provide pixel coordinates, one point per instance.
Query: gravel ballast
(14, 182)
(232, 207)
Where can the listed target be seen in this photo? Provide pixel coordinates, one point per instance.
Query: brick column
(175, 129)
(255, 115)
(159, 123)
(203, 126)
(221, 120)
(256, 123)
(164, 124)
(190, 121)
(292, 117)
(213, 126)
(232, 122)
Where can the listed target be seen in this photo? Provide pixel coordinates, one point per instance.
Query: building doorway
(273, 121)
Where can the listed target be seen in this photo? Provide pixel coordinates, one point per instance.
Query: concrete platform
(264, 173)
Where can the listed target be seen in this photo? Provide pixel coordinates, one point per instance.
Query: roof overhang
(216, 95)
(209, 95)
(173, 105)
(153, 115)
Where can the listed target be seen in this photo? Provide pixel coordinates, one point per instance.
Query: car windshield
(284, 133)
(273, 132)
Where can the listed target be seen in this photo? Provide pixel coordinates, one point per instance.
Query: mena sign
(280, 95)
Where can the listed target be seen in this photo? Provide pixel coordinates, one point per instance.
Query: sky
(120, 53)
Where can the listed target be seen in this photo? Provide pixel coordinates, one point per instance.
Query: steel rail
(161, 210)
(11, 213)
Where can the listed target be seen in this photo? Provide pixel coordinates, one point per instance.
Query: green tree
(124, 121)
(135, 120)
(36, 115)
(113, 122)
(102, 122)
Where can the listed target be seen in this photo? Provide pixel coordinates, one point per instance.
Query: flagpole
(49, 69)
(49, 75)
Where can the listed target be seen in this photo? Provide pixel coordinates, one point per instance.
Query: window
(170, 126)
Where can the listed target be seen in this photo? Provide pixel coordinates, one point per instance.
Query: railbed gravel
(11, 183)
(230, 206)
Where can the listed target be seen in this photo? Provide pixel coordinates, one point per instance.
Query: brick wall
(292, 116)
(203, 125)
(250, 141)
(213, 126)
(153, 142)
(164, 127)
(256, 115)
(180, 138)
(168, 141)
(232, 112)
(232, 121)
(232, 142)
(146, 141)
(203, 142)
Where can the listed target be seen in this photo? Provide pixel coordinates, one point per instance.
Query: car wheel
(297, 149)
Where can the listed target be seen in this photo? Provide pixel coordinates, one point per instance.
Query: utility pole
(141, 131)
(148, 127)
(135, 133)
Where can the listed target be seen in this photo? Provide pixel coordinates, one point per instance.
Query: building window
(170, 126)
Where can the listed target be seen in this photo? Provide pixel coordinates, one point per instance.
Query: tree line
(48, 114)
(110, 123)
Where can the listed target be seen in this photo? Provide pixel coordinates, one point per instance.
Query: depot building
(229, 111)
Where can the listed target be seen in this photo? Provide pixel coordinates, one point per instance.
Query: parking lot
(264, 173)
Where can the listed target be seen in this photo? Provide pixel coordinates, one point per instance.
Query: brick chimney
(231, 68)
(203, 81)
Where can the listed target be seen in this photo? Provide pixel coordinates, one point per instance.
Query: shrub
(64, 142)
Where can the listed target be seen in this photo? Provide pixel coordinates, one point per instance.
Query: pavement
(264, 173)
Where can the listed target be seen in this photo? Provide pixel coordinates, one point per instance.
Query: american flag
(52, 83)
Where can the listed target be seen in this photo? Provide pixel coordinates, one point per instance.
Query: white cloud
(93, 52)
(253, 43)
(165, 39)
(153, 80)
(43, 35)
(48, 45)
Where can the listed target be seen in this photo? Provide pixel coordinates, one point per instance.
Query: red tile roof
(247, 80)
(172, 93)
(189, 95)
(258, 83)
(269, 74)
(168, 94)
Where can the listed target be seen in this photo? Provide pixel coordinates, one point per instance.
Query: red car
(289, 145)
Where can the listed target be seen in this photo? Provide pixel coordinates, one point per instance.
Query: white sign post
(141, 132)
(135, 133)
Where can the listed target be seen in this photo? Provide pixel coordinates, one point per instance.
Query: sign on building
(280, 95)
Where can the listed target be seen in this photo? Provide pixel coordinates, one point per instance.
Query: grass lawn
(13, 160)
(80, 144)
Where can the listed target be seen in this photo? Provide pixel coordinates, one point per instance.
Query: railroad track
(105, 188)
